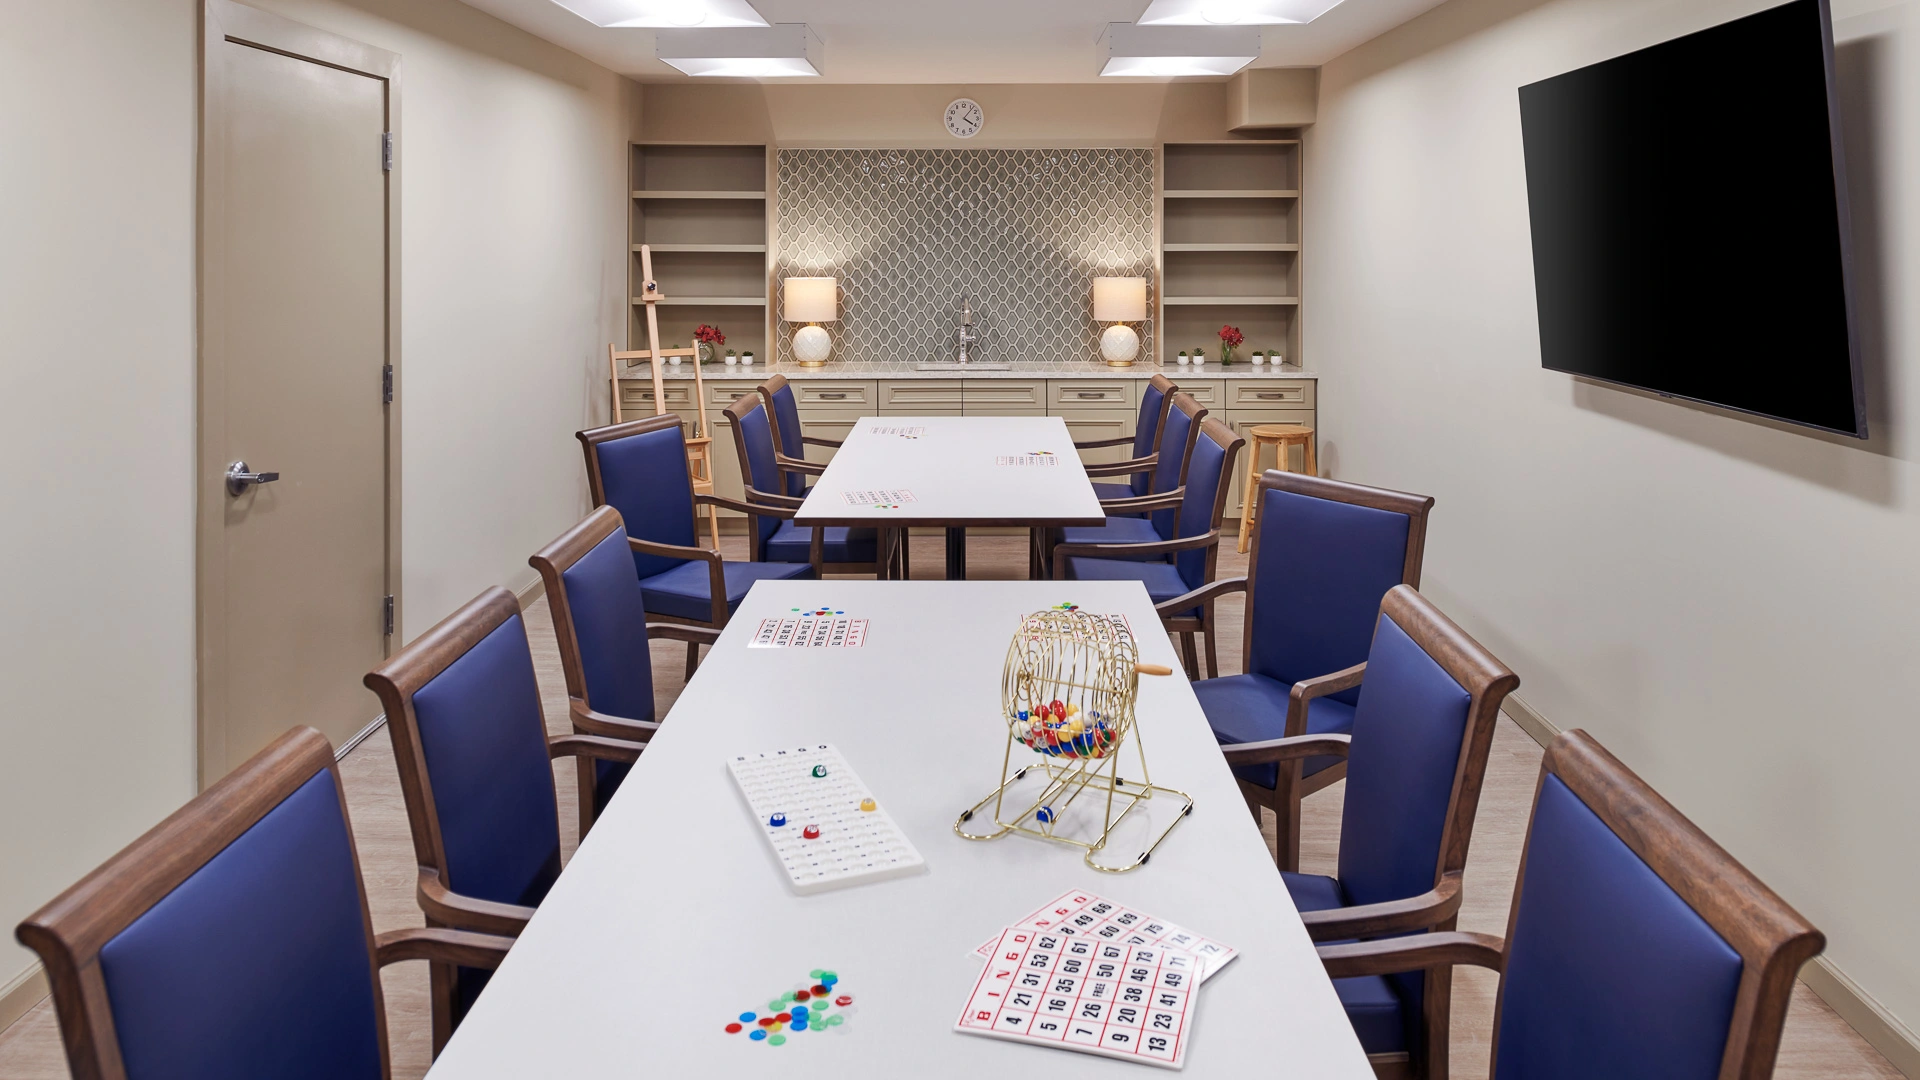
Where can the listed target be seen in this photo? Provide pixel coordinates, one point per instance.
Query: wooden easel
(700, 443)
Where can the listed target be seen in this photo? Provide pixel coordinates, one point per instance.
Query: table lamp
(811, 300)
(1119, 300)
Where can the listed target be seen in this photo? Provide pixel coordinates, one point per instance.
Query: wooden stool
(1283, 438)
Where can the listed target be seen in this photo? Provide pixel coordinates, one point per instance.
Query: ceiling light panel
(675, 13)
(1234, 12)
(1128, 50)
(781, 51)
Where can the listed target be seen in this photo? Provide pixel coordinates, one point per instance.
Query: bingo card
(880, 497)
(902, 432)
(826, 827)
(810, 632)
(1082, 914)
(1026, 459)
(1098, 997)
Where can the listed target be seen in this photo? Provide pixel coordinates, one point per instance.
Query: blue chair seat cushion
(791, 543)
(1162, 579)
(1117, 530)
(1377, 1013)
(1253, 708)
(682, 592)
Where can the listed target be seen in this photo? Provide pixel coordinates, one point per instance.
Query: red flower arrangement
(710, 336)
(1230, 339)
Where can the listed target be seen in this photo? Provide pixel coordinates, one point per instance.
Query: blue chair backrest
(257, 964)
(758, 466)
(1609, 973)
(485, 745)
(1324, 566)
(646, 478)
(610, 624)
(1146, 432)
(1204, 478)
(786, 415)
(1173, 461)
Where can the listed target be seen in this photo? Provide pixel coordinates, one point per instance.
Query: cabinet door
(1005, 397)
(921, 397)
(1092, 425)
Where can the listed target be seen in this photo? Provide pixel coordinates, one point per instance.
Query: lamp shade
(810, 299)
(1119, 299)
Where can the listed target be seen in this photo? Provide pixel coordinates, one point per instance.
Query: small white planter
(1259, 359)
(746, 359)
(732, 360)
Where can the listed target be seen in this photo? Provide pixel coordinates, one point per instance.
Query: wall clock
(965, 118)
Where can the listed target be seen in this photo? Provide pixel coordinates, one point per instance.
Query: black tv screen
(1689, 221)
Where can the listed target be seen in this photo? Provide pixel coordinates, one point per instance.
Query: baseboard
(18, 997)
(531, 593)
(340, 752)
(1882, 1030)
(1542, 729)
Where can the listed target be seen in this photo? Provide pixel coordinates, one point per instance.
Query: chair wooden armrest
(699, 635)
(769, 508)
(1062, 552)
(814, 440)
(1320, 686)
(1205, 594)
(672, 551)
(787, 464)
(1289, 749)
(1389, 956)
(588, 722)
(1124, 468)
(448, 908)
(716, 574)
(1422, 912)
(1097, 444)
(597, 747)
(441, 946)
(1169, 500)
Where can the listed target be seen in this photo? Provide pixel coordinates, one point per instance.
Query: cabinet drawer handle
(833, 397)
(1093, 394)
(1279, 396)
(738, 395)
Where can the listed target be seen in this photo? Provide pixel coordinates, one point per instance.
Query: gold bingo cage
(1067, 695)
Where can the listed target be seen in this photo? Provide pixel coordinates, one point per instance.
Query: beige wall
(1727, 604)
(513, 278)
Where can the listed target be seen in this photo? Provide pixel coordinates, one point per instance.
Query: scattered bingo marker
(782, 1017)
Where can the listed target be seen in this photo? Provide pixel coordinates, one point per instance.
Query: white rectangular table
(673, 917)
(953, 470)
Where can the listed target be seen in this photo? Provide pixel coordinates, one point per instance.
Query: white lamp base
(811, 345)
(1119, 345)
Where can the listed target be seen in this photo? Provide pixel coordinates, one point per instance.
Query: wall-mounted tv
(1689, 214)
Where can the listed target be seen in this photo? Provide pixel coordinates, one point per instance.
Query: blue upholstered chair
(233, 940)
(1175, 562)
(1331, 552)
(1415, 761)
(1136, 520)
(1155, 399)
(640, 469)
(470, 741)
(771, 532)
(600, 623)
(1635, 946)
(790, 436)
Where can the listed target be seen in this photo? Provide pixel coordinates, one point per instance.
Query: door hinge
(386, 151)
(386, 614)
(386, 385)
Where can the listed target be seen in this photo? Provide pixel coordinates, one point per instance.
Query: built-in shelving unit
(702, 209)
(1230, 245)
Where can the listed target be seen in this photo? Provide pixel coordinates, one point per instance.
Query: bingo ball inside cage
(1067, 694)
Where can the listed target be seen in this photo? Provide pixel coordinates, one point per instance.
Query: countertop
(1030, 369)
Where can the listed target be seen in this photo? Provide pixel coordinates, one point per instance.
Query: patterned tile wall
(1024, 232)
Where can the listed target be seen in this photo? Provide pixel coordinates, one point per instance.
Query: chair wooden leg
(906, 554)
(713, 526)
(440, 987)
(693, 658)
(1286, 827)
(1189, 657)
(1213, 655)
(587, 772)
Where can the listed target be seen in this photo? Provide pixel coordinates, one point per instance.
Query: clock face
(965, 118)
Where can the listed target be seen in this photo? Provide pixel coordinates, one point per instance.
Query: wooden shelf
(719, 249)
(1231, 301)
(1222, 247)
(760, 195)
(706, 301)
(1234, 193)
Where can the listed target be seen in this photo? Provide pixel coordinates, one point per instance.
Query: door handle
(239, 479)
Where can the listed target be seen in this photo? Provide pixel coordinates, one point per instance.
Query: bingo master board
(827, 828)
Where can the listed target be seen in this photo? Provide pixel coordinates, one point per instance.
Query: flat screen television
(1689, 217)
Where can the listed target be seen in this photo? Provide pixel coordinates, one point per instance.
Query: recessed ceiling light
(1130, 51)
(627, 13)
(781, 51)
(1233, 12)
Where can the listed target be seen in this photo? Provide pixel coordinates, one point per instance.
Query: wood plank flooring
(1818, 1044)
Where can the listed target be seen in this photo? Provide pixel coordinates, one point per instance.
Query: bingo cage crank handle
(1153, 669)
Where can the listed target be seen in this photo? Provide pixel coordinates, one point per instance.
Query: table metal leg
(956, 554)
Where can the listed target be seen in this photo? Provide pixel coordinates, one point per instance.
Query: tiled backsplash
(1024, 232)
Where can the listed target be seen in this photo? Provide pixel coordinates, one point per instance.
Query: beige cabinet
(1004, 397)
(922, 397)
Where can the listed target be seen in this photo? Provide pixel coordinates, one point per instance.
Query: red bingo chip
(843, 999)
(733, 1029)
(820, 990)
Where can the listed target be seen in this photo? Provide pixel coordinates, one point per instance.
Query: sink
(954, 365)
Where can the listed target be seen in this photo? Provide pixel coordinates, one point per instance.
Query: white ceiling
(979, 41)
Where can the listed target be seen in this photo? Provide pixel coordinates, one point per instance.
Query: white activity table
(673, 916)
(952, 470)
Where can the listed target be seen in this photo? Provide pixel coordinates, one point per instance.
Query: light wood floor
(1818, 1044)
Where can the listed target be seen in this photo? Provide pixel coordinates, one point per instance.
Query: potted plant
(732, 358)
(708, 338)
(1181, 359)
(673, 361)
(1199, 356)
(1230, 339)
(746, 358)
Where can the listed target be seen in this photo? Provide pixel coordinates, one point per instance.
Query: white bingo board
(809, 632)
(854, 846)
(1082, 914)
(1132, 1002)
(878, 497)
